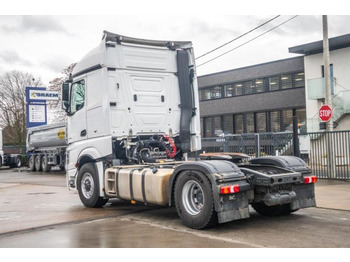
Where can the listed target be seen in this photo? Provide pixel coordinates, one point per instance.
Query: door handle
(83, 132)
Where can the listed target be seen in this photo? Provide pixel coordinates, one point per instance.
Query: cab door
(77, 118)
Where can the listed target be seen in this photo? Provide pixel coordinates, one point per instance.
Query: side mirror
(65, 97)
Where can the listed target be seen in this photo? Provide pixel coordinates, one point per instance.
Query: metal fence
(327, 153)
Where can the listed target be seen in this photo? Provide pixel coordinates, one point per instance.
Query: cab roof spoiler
(118, 39)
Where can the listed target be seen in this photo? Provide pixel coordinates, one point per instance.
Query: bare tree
(13, 105)
(55, 85)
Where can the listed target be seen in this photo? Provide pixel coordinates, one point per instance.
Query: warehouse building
(265, 97)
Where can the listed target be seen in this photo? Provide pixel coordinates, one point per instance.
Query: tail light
(310, 179)
(229, 189)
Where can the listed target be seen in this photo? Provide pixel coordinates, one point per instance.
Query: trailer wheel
(31, 163)
(270, 211)
(37, 163)
(44, 164)
(88, 187)
(194, 200)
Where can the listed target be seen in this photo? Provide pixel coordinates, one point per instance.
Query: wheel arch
(204, 167)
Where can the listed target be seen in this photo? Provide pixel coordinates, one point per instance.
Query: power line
(248, 41)
(239, 37)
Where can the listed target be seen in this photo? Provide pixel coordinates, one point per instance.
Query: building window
(217, 126)
(301, 113)
(228, 124)
(249, 123)
(248, 87)
(238, 120)
(286, 81)
(275, 121)
(208, 127)
(287, 120)
(259, 86)
(274, 83)
(299, 80)
(229, 90)
(238, 89)
(204, 94)
(216, 92)
(202, 127)
(261, 122)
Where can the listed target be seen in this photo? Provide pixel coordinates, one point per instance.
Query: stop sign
(325, 113)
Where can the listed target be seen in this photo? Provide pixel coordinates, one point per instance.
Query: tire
(88, 187)
(37, 163)
(31, 163)
(18, 161)
(0, 161)
(194, 200)
(272, 211)
(44, 164)
(62, 168)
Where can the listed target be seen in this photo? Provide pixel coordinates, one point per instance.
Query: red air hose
(170, 153)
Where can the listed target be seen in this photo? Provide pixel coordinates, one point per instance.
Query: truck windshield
(77, 96)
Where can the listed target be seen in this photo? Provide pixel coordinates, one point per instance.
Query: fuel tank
(147, 185)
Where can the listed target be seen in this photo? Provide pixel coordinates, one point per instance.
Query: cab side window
(77, 96)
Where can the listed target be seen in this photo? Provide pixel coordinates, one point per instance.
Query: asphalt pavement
(37, 210)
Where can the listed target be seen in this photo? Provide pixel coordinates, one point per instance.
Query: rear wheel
(194, 200)
(38, 163)
(88, 187)
(31, 163)
(45, 166)
(278, 210)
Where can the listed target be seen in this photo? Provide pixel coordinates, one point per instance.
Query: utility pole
(327, 78)
(328, 101)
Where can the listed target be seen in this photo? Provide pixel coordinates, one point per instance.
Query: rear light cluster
(224, 190)
(310, 179)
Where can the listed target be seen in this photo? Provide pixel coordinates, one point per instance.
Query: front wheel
(88, 187)
(194, 200)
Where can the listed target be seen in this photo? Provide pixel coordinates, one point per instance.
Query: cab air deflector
(186, 98)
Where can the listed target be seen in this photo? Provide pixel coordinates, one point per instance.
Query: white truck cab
(131, 101)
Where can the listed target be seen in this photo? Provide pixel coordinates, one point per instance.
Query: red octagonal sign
(325, 113)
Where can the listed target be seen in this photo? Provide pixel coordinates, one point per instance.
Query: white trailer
(46, 147)
(133, 115)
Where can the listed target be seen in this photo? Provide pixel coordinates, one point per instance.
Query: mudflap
(305, 196)
(234, 206)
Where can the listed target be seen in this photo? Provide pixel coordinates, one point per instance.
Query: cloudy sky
(45, 43)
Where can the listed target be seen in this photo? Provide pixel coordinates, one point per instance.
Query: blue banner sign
(36, 98)
(40, 94)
